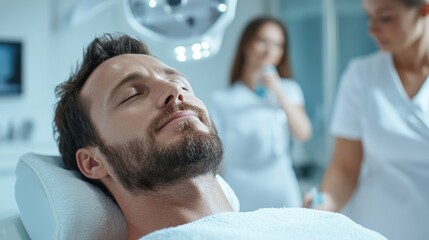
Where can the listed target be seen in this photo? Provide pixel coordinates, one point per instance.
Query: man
(133, 126)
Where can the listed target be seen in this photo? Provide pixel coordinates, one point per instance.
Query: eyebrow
(129, 78)
(384, 9)
(171, 71)
(137, 75)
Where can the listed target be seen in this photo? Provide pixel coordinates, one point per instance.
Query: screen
(10, 68)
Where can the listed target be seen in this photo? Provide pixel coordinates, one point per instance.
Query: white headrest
(55, 203)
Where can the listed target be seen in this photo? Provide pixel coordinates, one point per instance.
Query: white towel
(270, 223)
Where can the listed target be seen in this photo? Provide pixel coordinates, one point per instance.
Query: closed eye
(385, 18)
(129, 98)
(184, 85)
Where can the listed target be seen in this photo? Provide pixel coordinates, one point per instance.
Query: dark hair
(414, 3)
(73, 128)
(247, 36)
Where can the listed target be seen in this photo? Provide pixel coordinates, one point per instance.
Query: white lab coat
(256, 138)
(392, 196)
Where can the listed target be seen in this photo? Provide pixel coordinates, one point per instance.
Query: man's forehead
(124, 60)
(117, 66)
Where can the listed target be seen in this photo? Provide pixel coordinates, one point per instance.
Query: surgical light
(152, 3)
(190, 29)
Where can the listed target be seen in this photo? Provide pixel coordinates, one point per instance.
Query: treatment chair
(55, 203)
(11, 228)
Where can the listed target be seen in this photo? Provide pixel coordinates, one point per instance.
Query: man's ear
(91, 163)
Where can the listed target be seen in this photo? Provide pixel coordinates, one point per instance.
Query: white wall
(51, 51)
(27, 21)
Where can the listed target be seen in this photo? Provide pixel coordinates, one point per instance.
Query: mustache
(172, 108)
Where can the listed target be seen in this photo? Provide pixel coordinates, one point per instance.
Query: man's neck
(182, 203)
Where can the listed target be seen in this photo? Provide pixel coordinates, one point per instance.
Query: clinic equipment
(190, 29)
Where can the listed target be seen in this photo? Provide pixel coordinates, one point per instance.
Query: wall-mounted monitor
(10, 68)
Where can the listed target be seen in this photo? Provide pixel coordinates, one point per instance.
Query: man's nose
(170, 93)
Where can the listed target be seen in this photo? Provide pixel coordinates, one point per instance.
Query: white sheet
(270, 223)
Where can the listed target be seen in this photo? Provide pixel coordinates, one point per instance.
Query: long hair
(414, 3)
(247, 36)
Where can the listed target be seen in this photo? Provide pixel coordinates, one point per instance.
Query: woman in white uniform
(255, 117)
(379, 174)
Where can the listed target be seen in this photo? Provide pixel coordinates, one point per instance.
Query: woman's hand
(271, 80)
(318, 200)
(341, 176)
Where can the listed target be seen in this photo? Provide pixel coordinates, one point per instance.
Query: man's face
(155, 131)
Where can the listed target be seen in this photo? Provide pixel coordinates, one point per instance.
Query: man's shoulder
(270, 223)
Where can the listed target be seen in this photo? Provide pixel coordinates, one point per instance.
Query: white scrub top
(392, 196)
(256, 138)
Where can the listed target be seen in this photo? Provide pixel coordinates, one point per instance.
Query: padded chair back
(55, 203)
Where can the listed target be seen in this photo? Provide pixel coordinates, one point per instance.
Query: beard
(144, 164)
